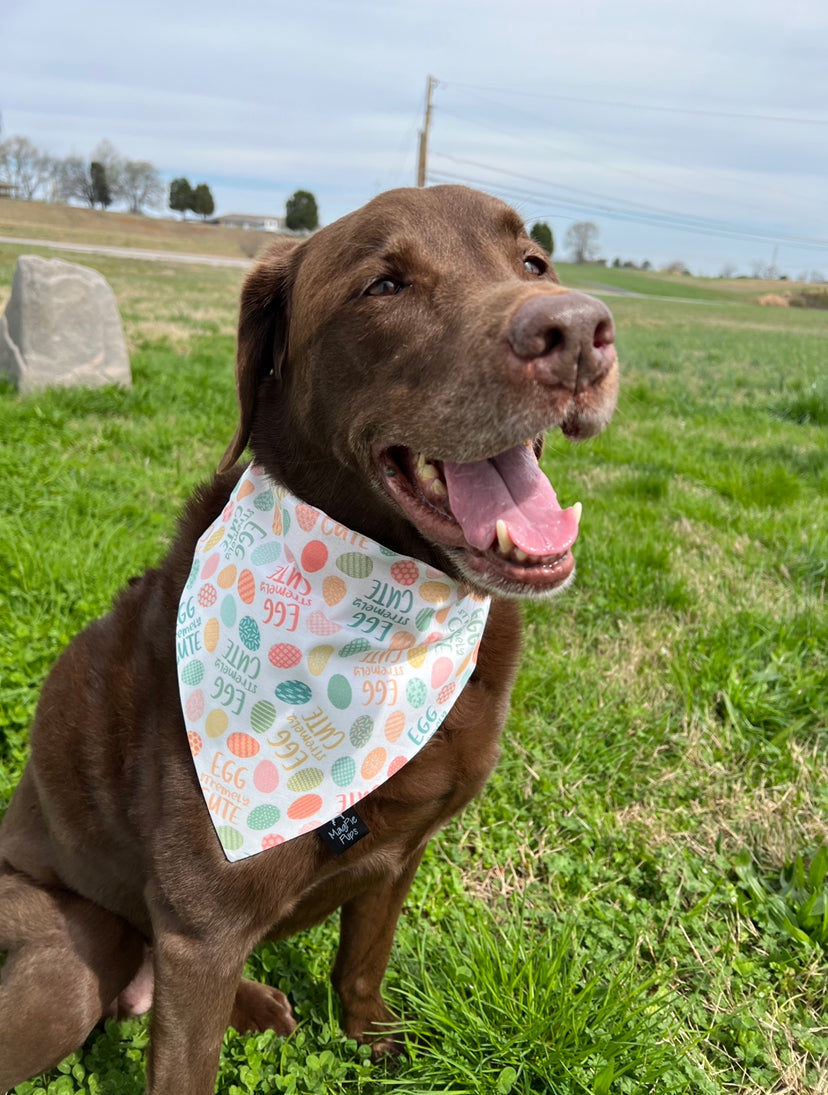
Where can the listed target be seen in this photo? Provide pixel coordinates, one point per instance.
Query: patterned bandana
(313, 664)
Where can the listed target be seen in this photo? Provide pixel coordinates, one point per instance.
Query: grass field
(639, 900)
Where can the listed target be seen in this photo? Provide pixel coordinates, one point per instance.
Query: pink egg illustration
(441, 671)
(314, 556)
(194, 707)
(211, 566)
(272, 840)
(266, 777)
(395, 765)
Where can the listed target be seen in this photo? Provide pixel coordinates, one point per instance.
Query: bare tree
(74, 181)
(24, 166)
(582, 241)
(140, 185)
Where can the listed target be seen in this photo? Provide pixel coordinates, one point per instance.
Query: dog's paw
(377, 1029)
(259, 1007)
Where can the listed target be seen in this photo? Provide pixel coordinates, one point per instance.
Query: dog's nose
(563, 339)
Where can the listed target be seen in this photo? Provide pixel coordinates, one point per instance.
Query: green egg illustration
(192, 673)
(424, 618)
(416, 692)
(265, 553)
(249, 633)
(230, 838)
(262, 817)
(361, 731)
(228, 610)
(265, 501)
(355, 564)
(339, 691)
(343, 771)
(191, 580)
(388, 551)
(305, 779)
(295, 692)
(285, 522)
(355, 646)
(262, 716)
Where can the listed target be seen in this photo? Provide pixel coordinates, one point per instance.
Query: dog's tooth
(577, 509)
(438, 488)
(521, 556)
(504, 540)
(425, 469)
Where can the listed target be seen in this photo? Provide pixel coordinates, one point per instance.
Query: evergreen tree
(301, 212)
(541, 233)
(181, 196)
(203, 203)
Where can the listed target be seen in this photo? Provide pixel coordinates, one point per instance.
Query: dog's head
(399, 368)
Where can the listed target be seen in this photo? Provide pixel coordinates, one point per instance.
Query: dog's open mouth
(501, 513)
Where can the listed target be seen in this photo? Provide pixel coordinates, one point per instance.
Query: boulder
(61, 327)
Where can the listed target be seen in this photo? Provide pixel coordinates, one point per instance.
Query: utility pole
(421, 164)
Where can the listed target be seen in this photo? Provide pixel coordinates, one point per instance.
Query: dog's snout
(563, 339)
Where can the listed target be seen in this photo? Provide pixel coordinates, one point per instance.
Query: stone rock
(61, 327)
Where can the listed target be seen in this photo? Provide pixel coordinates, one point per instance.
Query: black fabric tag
(343, 831)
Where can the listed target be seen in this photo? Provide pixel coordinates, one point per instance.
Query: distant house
(6, 189)
(251, 221)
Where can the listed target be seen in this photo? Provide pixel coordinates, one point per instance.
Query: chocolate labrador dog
(396, 374)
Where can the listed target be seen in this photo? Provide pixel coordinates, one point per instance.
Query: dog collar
(313, 663)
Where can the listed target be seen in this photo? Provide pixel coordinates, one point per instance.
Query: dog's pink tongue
(511, 488)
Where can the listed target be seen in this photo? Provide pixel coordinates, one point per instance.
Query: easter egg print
(343, 771)
(230, 838)
(228, 610)
(207, 595)
(272, 840)
(192, 673)
(355, 646)
(284, 655)
(306, 516)
(361, 731)
(319, 624)
(424, 618)
(318, 659)
(191, 578)
(249, 633)
(242, 745)
(445, 694)
(294, 692)
(266, 777)
(314, 556)
(303, 807)
(401, 640)
(306, 779)
(355, 564)
(262, 716)
(215, 538)
(277, 522)
(374, 763)
(195, 742)
(435, 592)
(216, 723)
(211, 566)
(339, 691)
(247, 586)
(228, 512)
(227, 577)
(406, 572)
(416, 692)
(285, 522)
(194, 707)
(441, 671)
(333, 589)
(394, 725)
(212, 630)
(395, 765)
(265, 553)
(246, 488)
(262, 817)
(265, 501)
(416, 656)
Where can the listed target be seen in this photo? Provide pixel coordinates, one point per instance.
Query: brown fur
(329, 376)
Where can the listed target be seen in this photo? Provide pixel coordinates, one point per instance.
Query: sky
(693, 133)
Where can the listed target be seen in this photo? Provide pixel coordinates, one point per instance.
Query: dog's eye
(535, 265)
(384, 287)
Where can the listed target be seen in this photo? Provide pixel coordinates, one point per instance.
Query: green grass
(638, 901)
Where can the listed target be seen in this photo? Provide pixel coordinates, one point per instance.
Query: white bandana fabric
(312, 663)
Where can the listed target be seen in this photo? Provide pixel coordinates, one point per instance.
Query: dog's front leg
(366, 932)
(195, 985)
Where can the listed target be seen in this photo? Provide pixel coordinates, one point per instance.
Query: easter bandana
(312, 663)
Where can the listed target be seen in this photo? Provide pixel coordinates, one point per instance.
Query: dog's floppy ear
(263, 334)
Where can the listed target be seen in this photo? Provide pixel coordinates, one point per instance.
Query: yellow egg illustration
(212, 630)
(214, 538)
(435, 592)
(333, 589)
(318, 659)
(227, 577)
(216, 723)
(416, 655)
